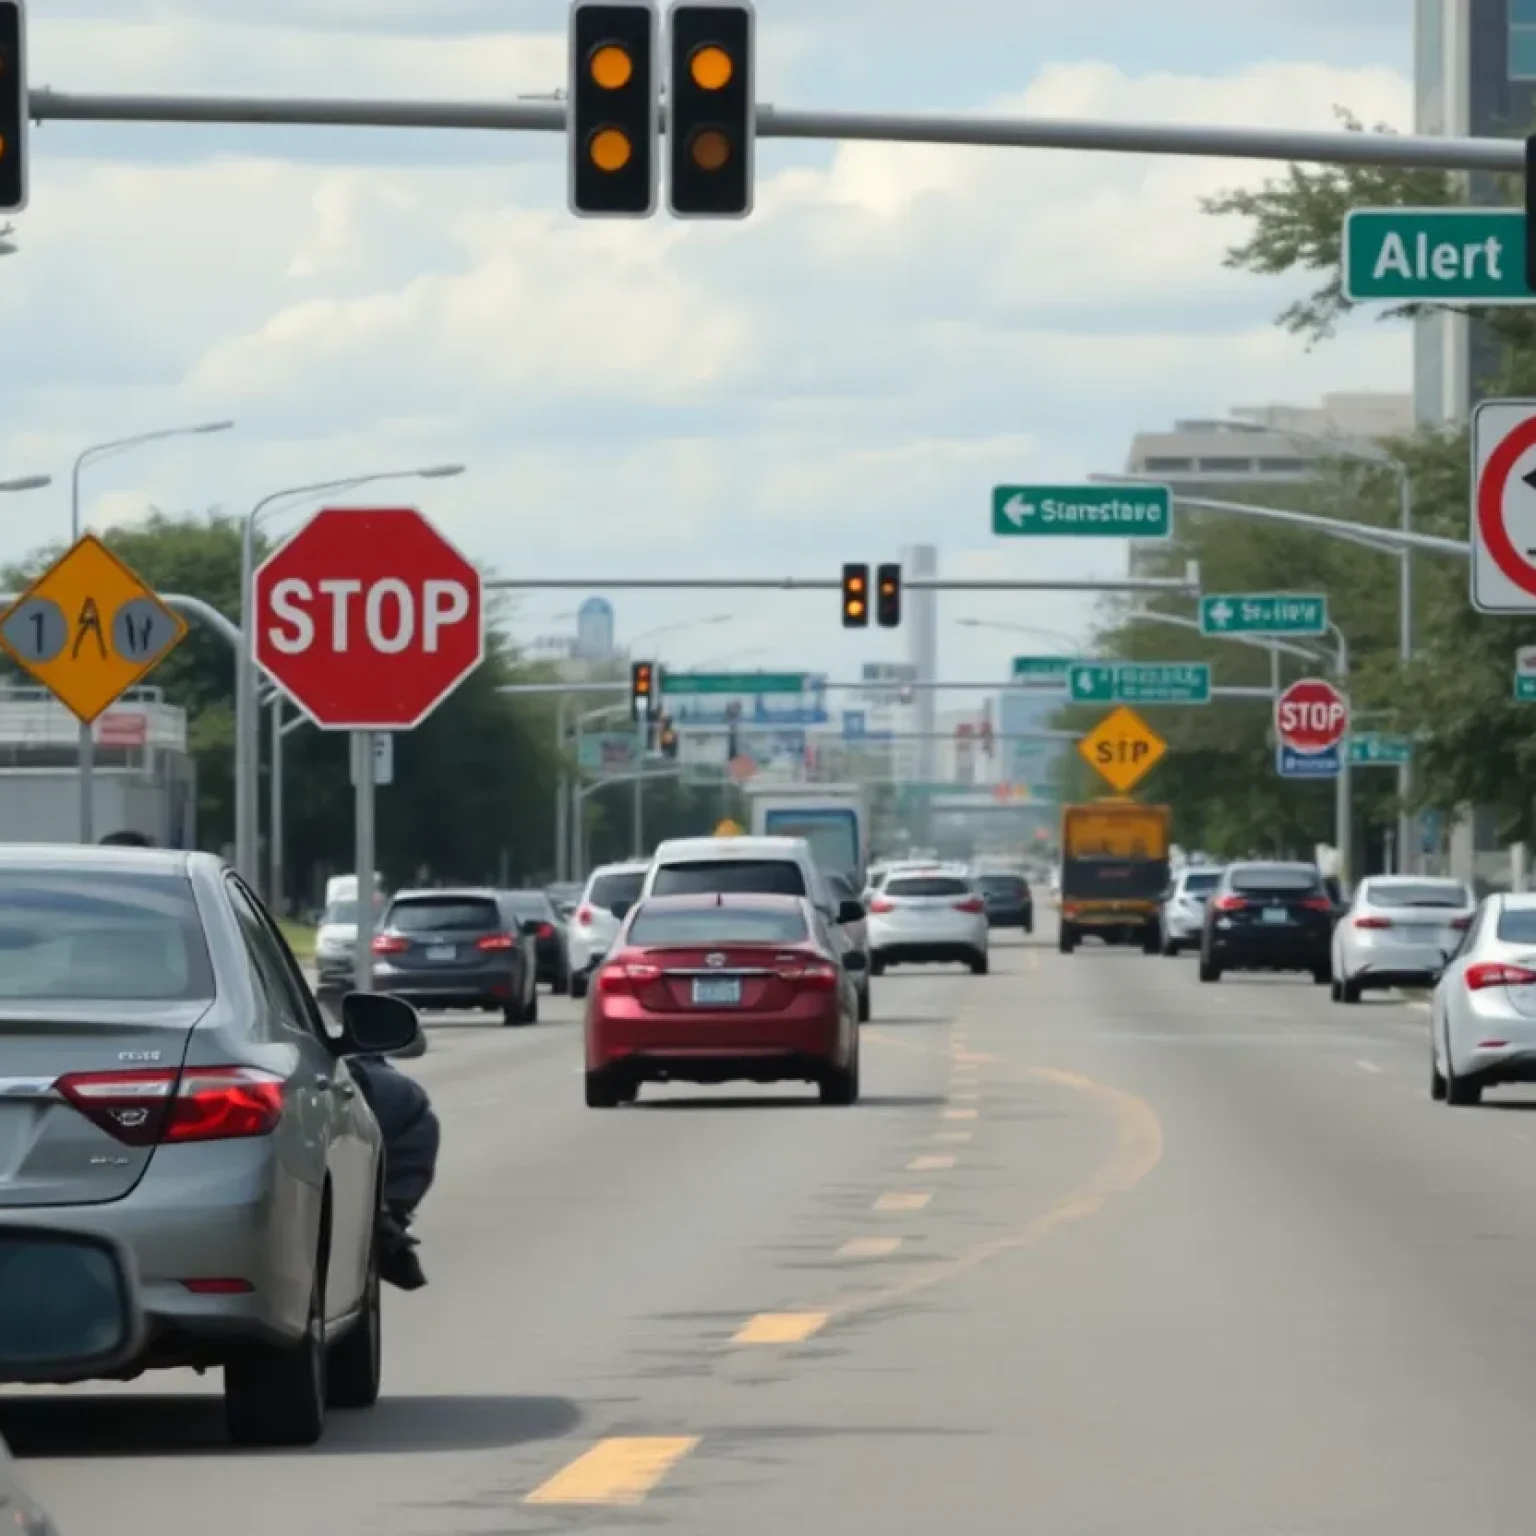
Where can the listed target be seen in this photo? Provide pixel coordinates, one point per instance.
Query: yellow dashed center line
(868, 1247)
(928, 1163)
(779, 1327)
(621, 1470)
(904, 1200)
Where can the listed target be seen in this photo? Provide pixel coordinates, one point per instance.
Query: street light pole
(89, 456)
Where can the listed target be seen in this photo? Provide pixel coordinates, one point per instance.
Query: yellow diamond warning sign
(1122, 749)
(88, 629)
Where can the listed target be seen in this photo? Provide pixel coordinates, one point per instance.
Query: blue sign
(1291, 764)
(855, 724)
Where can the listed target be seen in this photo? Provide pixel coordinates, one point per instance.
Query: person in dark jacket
(412, 1135)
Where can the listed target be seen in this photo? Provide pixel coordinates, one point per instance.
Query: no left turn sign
(1504, 506)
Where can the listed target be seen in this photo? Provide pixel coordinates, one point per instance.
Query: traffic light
(642, 691)
(711, 108)
(668, 737)
(888, 596)
(13, 108)
(855, 597)
(613, 128)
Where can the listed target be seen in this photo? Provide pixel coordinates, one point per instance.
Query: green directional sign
(1128, 682)
(1042, 669)
(1102, 511)
(1379, 749)
(732, 682)
(1525, 688)
(1436, 255)
(1264, 613)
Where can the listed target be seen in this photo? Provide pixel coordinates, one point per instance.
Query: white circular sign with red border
(1504, 506)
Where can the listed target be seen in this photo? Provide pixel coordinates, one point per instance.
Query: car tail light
(389, 944)
(814, 976)
(219, 1286)
(1461, 922)
(882, 904)
(971, 904)
(619, 975)
(545, 931)
(496, 941)
(584, 917)
(1493, 973)
(1373, 922)
(1230, 904)
(145, 1109)
(1318, 904)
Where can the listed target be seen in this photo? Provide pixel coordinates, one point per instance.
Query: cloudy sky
(851, 370)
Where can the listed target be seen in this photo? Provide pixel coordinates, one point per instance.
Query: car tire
(1336, 992)
(1169, 948)
(1349, 991)
(840, 1085)
(602, 1092)
(876, 965)
(1151, 942)
(864, 1005)
(1323, 977)
(531, 1012)
(1437, 1084)
(1066, 940)
(1209, 970)
(577, 986)
(354, 1372)
(980, 965)
(1458, 1091)
(275, 1394)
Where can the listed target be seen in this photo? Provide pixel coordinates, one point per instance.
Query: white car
(1397, 932)
(592, 927)
(336, 940)
(928, 917)
(1182, 918)
(1482, 1017)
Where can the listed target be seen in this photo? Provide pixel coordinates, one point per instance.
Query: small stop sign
(1311, 715)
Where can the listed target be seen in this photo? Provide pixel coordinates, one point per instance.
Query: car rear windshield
(1276, 878)
(434, 914)
(607, 890)
(1198, 883)
(1002, 885)
(745, 877)
(1417, 893)
(101, 936)
(1517, 925)
(530, 905)
(928, 885)
(654, 927)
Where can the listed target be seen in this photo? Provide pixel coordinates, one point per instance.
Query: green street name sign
(1264, 613)
(1123, 682)
(1045, 669)
(1377, 749)
(1436, 255)
(1525, 688)
(1102, 511)
(732, 682)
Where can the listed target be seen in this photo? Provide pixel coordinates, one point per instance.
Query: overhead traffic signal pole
(13, 107)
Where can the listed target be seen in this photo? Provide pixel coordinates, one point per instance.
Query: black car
(536, 909)
(458, 949)
(1268, 917)
(1008, 899)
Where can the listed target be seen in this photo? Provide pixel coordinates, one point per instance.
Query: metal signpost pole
(362, 775)
(562, 791)
(275, 816)
(1344, 832)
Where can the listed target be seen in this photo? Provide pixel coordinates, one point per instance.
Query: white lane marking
(1368, 1066)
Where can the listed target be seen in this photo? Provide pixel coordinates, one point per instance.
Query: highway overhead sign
(733, 682)
(89, 628)
(1311, 720)
(1504, 506)
(1126, 682)
(1122, 749)
(1264, 613)
(1379, 749)
(1105, 511)
(367, 619)
(1436, 255)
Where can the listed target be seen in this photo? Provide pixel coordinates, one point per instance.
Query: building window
(1155, 466)
(1282, 466)
(1522, 40)
(1226, 466)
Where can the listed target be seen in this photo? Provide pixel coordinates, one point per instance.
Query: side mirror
(621, 909)
(375, 1024)
(853, 961)
(69, 1305)
(850, 912)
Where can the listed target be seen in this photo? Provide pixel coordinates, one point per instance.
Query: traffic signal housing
(642, 690)
(711, 108)
(13, 107)
(888, 596)
(613, 125)
(855, 597)
(668, 737)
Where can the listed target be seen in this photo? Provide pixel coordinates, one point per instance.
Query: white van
(344, 888)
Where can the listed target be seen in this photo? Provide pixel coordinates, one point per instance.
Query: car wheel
(578, 984)
(1066, 940)
(1323, 977)
(1458, 1091)
(1336, 992)
(876, 965)
(980, 965)
(1170, 947)
(1151, 942)
(275, 1394)
(1436, 1079)
(1209, 970)
(1349, 991)
(602, 1091)
(355, 1370)
(840, 1085)
(531, 1012)
(864, 1005)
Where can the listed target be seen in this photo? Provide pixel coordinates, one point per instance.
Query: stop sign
(368, 619)
(1311, 715)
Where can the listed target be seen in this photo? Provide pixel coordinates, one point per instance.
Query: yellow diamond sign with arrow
(88, 629)
(1122, 749)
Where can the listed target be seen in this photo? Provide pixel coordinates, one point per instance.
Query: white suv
(593, 925)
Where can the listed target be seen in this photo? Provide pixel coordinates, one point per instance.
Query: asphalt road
(1102, 1251)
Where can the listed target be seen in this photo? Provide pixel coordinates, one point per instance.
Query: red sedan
(718, 989)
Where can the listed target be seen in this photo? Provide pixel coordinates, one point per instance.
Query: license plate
(440, 952)
(725, 992)
(1276, 915)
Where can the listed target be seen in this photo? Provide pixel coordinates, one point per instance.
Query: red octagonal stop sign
(368, 619)
(1311, 715)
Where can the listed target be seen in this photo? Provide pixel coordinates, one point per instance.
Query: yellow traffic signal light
(612, 108)
(855, 597)
(13, 107)
(642, 690)
(888, 596)
(711, 108)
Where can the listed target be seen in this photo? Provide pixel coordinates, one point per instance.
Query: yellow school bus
(1114, 869)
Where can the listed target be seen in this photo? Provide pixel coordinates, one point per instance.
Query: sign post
(1091, 511)
(367, 619)
(1264, 613)
(1504, 506)
(1122, 749)
(1311, 720)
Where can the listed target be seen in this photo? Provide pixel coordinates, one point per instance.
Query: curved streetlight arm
(1005, 627)
(120, 444)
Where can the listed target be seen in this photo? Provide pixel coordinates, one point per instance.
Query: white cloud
(851, 369)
